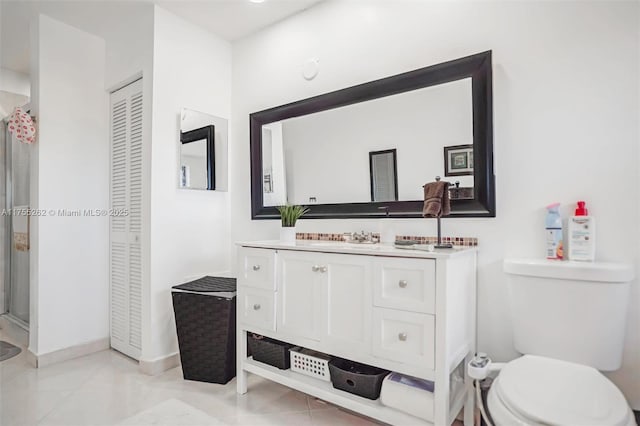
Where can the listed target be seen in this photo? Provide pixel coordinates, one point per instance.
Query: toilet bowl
(536, 390)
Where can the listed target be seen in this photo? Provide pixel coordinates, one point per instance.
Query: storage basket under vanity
(310, 363)
(270, 351)
(359, 379)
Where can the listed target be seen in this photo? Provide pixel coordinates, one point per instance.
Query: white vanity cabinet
(324, 297)
(402, 310)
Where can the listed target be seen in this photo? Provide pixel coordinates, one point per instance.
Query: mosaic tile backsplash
(458, 241)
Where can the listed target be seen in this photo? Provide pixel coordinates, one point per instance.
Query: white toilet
(569, 322)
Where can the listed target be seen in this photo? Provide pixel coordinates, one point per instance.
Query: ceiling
(234, 19)
(230, 19)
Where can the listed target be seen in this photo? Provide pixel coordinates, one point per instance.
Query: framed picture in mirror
(458, 160)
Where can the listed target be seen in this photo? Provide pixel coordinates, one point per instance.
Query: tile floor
(106, 388)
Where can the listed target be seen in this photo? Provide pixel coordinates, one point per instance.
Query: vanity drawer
(404, 337)
(257, 308)
(406, 284)
(257, 268)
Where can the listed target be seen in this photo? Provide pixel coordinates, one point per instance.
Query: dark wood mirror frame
(477, 67)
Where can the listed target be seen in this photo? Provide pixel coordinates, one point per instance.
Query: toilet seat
(538, 390)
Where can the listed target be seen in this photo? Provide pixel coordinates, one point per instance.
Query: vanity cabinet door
(347, 304)
(299, 291)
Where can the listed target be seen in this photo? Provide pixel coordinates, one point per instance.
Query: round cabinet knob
(315, 268)
(323, 269)
(402, 337)
(256, 307)
(256, 267)
(402, 283)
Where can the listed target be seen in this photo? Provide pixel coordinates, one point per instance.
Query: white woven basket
(310, 363)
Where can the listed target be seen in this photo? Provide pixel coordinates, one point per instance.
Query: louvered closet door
(126, 230)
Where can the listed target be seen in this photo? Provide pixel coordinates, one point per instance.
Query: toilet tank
(573, 311)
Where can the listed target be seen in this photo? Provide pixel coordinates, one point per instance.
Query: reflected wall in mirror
(197, 158)
(202, 151)
(383, 175)
(318, 150)
(322, 151)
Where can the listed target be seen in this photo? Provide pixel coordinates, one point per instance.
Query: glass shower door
(18, 177)
(4, 221)
(15, 258)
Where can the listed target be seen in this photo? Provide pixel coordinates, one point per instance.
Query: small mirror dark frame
(373, 154)
(206, 132)
(477, 67)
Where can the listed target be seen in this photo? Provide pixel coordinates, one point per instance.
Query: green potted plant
(289, 214)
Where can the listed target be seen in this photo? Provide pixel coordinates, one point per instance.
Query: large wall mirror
(368, 149)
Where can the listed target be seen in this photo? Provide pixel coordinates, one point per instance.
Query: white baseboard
(32, 358)
(17, 333)
(66, 354)
(159, 365)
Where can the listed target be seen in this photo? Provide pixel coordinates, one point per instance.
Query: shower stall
(14, 252)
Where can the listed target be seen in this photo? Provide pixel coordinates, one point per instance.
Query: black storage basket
(270, 351)
(359, 379)
(206, 326)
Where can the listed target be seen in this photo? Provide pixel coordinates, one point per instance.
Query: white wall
(189, 229)
(15, 88)
(69, 255)
(565, 121)
(14, 82)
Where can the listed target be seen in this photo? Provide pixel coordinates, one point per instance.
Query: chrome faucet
(361, 238)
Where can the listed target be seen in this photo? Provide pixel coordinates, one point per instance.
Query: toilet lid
(557, 392)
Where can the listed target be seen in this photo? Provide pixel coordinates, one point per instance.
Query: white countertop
(354, 248)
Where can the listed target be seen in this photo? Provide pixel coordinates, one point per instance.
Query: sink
(339, 245)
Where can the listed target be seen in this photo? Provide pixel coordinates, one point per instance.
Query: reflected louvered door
(126, 230)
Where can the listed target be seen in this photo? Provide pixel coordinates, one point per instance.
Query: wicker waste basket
(205, 312)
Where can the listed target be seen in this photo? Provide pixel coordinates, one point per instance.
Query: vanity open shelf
(406, 311)
(326, 392)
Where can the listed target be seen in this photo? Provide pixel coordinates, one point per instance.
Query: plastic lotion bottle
(582, 235)
(553, 225)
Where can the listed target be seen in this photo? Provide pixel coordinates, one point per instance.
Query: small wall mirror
(203, 151)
